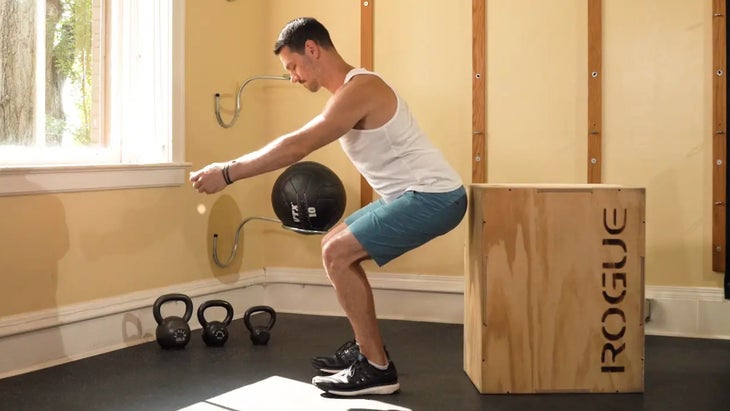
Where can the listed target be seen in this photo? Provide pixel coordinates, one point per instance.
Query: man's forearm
(275, 155)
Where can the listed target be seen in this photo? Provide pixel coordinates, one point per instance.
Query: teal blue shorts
(388, 230)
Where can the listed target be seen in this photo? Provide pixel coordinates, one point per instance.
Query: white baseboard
(397, 296)
(50, 337)
(697, 312)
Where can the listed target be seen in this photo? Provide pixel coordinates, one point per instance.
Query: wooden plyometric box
(554, 290)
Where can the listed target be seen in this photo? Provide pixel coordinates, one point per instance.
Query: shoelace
(344, 375)
(342, 351)
(351, 370)
(357, 365)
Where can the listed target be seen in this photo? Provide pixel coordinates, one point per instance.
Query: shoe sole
(379, 390)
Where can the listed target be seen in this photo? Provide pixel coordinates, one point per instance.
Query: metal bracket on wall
(238, 235)
(238, 99)
(647, 310)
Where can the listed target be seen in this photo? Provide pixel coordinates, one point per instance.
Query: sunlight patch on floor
(279, 393)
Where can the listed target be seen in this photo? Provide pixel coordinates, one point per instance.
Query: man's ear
(311, 48)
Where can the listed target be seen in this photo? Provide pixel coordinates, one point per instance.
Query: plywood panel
(366, 61)
(719, 137)
(474, 292)
(479, 90)
(560, 272)
(595, 106)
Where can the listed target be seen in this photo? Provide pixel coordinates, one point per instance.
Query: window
(92, 97)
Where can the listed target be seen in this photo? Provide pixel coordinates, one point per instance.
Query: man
(421, 196)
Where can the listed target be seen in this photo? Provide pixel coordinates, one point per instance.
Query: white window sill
(21, 180)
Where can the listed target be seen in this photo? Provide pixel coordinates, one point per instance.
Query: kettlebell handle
(157, 306)
(215, 303)
(257, 309)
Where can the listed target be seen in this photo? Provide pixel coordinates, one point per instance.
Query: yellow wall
(60, 249)
(657, 123)
(536, 91)
(657, 73)
(222, 50)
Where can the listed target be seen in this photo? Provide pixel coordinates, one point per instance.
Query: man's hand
(209, 179)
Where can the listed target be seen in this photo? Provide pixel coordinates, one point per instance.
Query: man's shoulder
(366, 83)
(366, 76)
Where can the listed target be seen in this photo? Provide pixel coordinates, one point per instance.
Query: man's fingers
(194, 176)
(197, 178)
(197, 184)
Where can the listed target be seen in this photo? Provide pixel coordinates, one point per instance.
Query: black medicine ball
(308, 196)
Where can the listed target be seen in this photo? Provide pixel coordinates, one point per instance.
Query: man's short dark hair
(298, 31)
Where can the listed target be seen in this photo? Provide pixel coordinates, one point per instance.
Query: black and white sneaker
(360, 378)
(343, 358)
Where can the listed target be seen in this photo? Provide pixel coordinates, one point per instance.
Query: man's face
(300, 67)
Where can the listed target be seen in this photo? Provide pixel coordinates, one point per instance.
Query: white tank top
(398, 156)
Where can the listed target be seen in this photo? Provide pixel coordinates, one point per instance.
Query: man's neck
(335, 78)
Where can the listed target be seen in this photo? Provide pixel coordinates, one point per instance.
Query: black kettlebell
(260, 334)
(173, 331)
(215, 333)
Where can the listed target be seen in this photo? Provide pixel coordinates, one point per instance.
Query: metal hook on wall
(238, 234)
(238, 98)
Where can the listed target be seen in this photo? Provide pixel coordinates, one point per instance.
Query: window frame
(42, 179)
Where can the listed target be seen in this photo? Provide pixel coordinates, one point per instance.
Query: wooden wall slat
(595, 106)
(366, 61)
(479, 89)
(719, 136)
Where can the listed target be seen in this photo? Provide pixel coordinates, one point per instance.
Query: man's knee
(341, 251)
(332, 232)
(332, 256)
